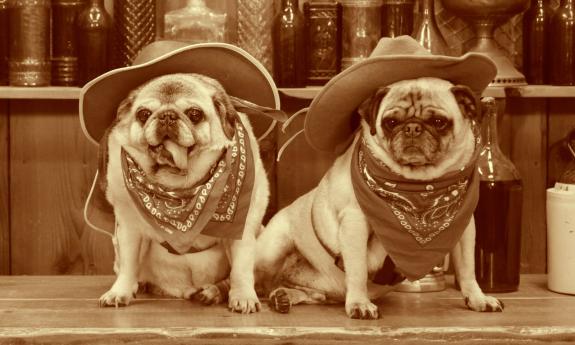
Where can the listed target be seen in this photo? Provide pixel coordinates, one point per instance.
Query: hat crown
(401, 45)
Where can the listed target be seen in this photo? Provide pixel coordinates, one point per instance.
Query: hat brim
(240, 74)
(331, 119)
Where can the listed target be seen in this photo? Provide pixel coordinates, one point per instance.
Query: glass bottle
(323, 38)
(29, 62)
(135, 28)
(535, 36)
(93, 26)
(498, 213)
(397, 18)
(4, 39)
(562, 45)
(427, 32)
(255, 20)
(64, 46)
(195, 23)
(361, 30)
(289, 45)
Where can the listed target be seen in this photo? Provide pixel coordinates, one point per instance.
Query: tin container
(29, 27)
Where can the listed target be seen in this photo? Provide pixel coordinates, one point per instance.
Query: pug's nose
(412, 129)
(168, 117)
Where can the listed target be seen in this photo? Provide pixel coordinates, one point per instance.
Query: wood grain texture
(4, 189)
(65, 311)
(51, 170)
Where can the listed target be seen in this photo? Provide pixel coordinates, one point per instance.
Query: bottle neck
(290, 3)
(565, 3)
(427, 9)
(489, 129)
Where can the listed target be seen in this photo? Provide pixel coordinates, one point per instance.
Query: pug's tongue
(179, 154)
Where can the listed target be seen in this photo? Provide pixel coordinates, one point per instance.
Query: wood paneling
(51, 169)
(4, 190)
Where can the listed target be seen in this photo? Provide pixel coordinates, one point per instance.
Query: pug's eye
(195, 114)
(439, 123)
(390, 123)
(143, 114)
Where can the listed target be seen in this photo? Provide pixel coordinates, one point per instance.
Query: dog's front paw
(243, 301)
(364, 310)
(116, 298)
(280, 301)
(209, 294)
(484, 303)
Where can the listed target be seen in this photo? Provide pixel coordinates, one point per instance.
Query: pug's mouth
(171, 156)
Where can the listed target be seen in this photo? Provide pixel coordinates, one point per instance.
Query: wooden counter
(64, 310)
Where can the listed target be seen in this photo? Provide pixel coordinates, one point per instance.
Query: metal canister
(29, 63)
(361, 30)
(64, 45)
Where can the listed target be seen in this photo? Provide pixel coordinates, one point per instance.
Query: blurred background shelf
(59, 92)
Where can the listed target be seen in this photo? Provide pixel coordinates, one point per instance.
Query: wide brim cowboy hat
(332, 119)
(241, 75)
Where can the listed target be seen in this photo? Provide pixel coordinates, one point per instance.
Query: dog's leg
(464, 264)
(282, 298)
(126, 284)
(242, 296)
(354, 233)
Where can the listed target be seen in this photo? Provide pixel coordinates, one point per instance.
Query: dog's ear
(227, 113)
(369, 108)
(468, 102)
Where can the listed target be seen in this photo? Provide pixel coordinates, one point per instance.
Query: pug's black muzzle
(167, 125)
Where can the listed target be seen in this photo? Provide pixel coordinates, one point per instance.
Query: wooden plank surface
(51, 171)
(4, 189)
(64, 309)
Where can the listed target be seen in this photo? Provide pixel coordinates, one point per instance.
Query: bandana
(417, 222)
(216, 207)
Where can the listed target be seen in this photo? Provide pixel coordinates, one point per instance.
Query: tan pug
(178, 148)
(388, 208)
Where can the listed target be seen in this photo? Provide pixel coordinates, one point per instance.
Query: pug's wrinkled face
(420, 124)
(175, 118)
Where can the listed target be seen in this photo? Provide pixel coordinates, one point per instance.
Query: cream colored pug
(392, 206)
(189, 191)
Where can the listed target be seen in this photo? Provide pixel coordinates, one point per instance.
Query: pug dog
(391, 207)
(182, 171)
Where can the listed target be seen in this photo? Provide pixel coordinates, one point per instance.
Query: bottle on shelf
(64, 44)
(195, 23)
(323, 37)
(562, 45)
(289, 45)
(4, 39)
(498, 213)
(255, 21)
(535, 47)
(29, 28)
(93, 31)
(427, 32)
(397, 17)
(135, 27)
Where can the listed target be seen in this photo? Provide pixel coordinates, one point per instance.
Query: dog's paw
(209, 294)
(279, 301)
(362, 310)
(114, 298)
(484, 304)
(242, 301)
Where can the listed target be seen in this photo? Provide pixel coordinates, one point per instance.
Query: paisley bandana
(418, 222)
(216, 207)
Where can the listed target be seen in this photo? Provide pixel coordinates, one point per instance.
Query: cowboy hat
(332, 119)
(241, 75)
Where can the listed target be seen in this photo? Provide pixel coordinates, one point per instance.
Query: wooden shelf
(64, 92)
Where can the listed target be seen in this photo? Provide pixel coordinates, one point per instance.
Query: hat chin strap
(250, 108)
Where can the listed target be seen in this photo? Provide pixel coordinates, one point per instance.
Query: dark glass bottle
(562, 45)
(498, 213)
(397, 18)
(289, 45)
(535, 35)
(323, 38)
(427, 32)
(4, 37)
(94, 26)
(64, 50)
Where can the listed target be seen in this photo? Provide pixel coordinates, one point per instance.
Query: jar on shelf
(361, 30)
(29, 27)
(323, 37)
(562, 45)
(498, 213)
(289, 45)
(93, 31)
